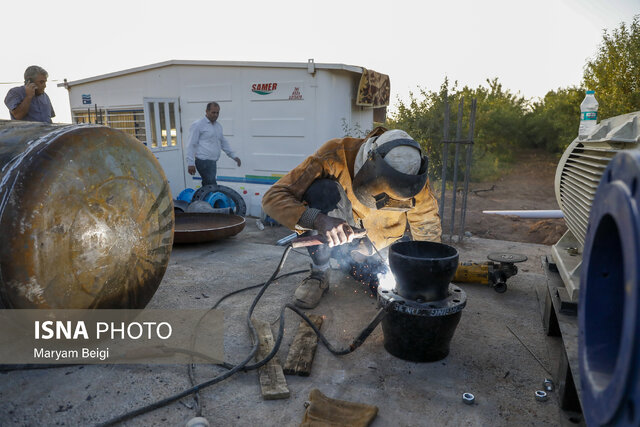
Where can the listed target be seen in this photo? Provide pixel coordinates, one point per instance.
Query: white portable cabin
(274, 114)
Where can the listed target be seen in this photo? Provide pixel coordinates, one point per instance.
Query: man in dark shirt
(29, 102)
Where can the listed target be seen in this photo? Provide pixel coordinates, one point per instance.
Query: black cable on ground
(219, 378)
(191, 366)
(361, 337)
(358, 340)
(30, 366)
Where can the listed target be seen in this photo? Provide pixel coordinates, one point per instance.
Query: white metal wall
(271, 133)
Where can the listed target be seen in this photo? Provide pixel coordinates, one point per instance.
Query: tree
(499, 126)
(553, 122)
(614, 72)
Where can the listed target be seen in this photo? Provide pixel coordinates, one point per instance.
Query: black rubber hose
(362, 336)
(191, 372)
(219, 378)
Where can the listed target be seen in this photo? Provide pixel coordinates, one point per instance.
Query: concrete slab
(485, 358)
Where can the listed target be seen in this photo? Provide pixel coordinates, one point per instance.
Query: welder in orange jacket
(378, 183)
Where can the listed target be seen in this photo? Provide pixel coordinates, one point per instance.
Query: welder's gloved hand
(324, 411)
(335, 231)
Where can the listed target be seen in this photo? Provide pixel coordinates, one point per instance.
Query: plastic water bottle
(588, 114)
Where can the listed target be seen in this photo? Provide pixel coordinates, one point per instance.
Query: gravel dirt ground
(529, 184)
(485, 357)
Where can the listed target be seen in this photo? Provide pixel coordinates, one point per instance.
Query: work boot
(311, 289)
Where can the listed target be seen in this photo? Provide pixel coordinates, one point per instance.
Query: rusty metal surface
(206, 227)
(86, 218)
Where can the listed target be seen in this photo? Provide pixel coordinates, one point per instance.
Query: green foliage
(553, 122)
(614, 72)
(506, 121)
(354, 131)
(499, 125)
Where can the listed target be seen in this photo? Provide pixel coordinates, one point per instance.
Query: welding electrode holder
(314, 240)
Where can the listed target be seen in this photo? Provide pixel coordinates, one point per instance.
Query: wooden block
(273, 385)
(303, 348)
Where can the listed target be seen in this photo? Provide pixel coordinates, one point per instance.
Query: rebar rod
(445, 153)
(455, 168)
(467, 170)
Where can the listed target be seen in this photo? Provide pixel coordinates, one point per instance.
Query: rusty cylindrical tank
(86, 218)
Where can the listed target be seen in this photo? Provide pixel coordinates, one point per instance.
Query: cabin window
(130, 121)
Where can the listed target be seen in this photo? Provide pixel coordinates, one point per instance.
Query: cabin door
(164, 138)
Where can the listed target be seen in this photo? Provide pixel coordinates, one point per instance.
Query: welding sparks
(386, 280)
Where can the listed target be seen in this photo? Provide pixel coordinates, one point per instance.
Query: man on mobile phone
(29, 102)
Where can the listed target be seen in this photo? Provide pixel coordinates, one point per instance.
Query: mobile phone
(26, 82)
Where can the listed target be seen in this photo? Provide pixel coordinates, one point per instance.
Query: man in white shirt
(206, 141)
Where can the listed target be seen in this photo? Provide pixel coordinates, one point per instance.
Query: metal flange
(453, 303)
(609, 305)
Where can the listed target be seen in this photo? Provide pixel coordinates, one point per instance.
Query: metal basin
(206, 227)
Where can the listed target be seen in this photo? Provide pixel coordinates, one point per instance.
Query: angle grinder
(494, 273)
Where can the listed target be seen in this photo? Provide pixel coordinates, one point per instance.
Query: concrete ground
(485, 359)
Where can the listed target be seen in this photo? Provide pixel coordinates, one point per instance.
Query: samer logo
(263, 88)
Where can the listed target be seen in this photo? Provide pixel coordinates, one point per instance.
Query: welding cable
(362, 336)
(27, 367)
(191, 367)
(357, 341)
(219, 378)
(230, 294)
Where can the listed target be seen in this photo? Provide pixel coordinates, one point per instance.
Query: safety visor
(378, 185)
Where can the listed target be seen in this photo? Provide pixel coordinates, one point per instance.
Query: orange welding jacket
(335, 160)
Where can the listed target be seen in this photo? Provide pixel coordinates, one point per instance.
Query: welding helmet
(389, 171)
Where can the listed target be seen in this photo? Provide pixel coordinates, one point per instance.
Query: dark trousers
(330, 198)
(207, 170)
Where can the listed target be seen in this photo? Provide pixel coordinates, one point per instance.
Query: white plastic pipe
(540, 214)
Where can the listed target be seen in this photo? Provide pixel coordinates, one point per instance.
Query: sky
(531, 47)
